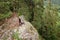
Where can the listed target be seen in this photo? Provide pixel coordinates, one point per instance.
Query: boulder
(19, 29)
(26, 30)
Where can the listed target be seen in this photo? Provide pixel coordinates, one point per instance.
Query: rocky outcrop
(8, 25)
(23, 31)
(26, 31)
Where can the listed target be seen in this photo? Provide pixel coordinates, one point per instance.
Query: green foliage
(46, 21)
(16, 36)
(15, 5)
(6, 6)
(6, 15)
(58, 30)
(4, 10)
(38, 12)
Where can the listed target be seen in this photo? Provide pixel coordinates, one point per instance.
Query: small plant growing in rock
(16, 37)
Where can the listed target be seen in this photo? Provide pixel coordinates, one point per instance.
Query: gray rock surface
(25, 31)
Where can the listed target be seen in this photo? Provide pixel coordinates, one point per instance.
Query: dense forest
(44, 15)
